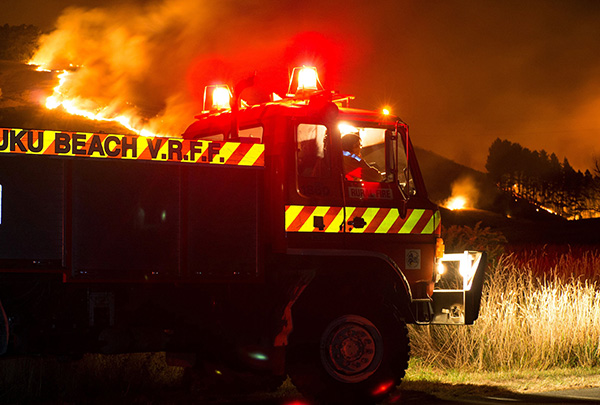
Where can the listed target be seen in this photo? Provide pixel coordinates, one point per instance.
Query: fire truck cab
(356, 232)
(291, 237)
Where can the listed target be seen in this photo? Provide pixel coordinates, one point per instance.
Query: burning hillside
(146, 66)
(124, 64)
(464, 194)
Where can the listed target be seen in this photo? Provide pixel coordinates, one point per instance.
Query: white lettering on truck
(370, 194)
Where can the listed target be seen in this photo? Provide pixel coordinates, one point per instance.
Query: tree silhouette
(542, 180)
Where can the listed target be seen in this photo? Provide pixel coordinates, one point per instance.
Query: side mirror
(391, 146)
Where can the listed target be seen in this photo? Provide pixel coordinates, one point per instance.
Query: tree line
(543, 180)
(18, 42)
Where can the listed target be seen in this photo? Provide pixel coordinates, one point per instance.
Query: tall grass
(530, 318)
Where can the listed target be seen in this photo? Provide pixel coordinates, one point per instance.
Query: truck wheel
(349, 358)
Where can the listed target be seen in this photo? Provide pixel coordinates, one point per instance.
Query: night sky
(460, 73)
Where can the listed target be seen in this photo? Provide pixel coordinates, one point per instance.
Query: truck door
(372, 200)
(316, 205)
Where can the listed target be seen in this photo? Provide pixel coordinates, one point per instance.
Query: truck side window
(217, 137)
(311, 151)
(363, 151)
(251, 135)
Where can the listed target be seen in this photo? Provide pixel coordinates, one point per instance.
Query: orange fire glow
(456, 203)
(125, 64)
(145, 64)
(80, 107)
(465, 194)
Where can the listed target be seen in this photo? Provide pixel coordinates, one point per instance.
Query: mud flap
(460, 306)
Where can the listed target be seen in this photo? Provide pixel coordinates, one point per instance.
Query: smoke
(523, 71)
(151, 61)
(460, 73)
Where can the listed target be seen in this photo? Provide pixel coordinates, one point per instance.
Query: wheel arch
(363, 272)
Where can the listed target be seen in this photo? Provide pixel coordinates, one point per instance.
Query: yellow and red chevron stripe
(299, 218)
(129, 147)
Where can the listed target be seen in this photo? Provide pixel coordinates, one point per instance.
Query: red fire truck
(246, 242)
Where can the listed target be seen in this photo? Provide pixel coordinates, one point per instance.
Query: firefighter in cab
(355, 168)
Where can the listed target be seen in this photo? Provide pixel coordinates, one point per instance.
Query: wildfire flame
(145, 64)
(456, 203)
(130, 64)
(75, 106)
(464, 194)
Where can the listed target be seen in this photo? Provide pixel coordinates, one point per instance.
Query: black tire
(356, 355)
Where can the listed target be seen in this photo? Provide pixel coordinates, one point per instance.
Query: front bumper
(457, 296)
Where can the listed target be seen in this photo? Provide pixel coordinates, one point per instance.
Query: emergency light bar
(217, 97)
(307, 79)
(304, 79)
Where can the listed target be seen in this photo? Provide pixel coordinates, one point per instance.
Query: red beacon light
(217, 97)
(304, 79)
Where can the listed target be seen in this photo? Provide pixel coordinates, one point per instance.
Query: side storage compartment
(223, 221)
(125, 219)
(145, 221)
(31, 211)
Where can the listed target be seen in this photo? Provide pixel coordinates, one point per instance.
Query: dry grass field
(530, 318)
